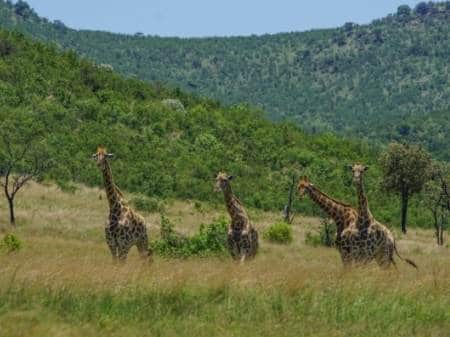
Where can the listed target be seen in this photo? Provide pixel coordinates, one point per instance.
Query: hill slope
(383, 81)
(169, 144)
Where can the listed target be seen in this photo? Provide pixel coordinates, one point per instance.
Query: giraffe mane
(331, 198)
(120, 193)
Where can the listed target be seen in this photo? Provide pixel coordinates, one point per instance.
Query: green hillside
(169, 144)
(384, 81)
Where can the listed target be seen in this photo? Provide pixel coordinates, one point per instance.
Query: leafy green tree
(22, 8)
(436, 196)
(403, 11)
(422, 8)
(406, 168)
(22, 155)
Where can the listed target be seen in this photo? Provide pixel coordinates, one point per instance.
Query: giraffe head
(357, 172)
(101, 156)
(302, 185)
(222, 181)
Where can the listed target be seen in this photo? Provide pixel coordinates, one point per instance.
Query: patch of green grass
(227, 311)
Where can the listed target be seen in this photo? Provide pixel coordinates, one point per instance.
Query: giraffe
(124, 227)
(242, 236)
(344, 215)
(367, 238)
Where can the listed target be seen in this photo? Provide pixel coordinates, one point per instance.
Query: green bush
(211, 239)
(325, 236)
(280, 232)
(144, 203)
(170, 243)
(312, 239)
(10, 243)
(327, 233)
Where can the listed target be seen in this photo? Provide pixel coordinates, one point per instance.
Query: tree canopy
(385, 81)
(170, 144)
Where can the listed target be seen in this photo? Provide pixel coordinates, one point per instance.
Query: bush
(10, 243)
(312, 239)
(327, 233)
(279, 233)
(326, 236)
(211, 239)
(146, 204)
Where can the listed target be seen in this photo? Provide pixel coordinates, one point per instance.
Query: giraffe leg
(385, 257)
(143, 248)
(254, 242)
(114, 251)
(245, 246)
(111, 242)
(233, 246)
(123, 252)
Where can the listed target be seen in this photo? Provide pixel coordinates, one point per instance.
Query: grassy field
(62, 283)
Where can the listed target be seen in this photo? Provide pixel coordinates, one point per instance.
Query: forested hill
(382, 81)
(167, 144)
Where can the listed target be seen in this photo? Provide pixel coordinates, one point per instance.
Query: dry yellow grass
(64, 249)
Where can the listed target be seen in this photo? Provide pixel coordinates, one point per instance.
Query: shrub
(327, 233)
(144, 203)
(280, 232)
(170, 243)
(211, 239)
(325, 236)
(312, 239)
(10, 243)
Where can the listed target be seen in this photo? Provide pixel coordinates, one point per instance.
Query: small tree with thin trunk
(406, 168)
(288, 214)
(437, 199)
(23, 155)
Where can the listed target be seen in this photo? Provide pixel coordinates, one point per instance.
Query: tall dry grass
(63, 282)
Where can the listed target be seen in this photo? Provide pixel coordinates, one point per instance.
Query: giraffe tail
(411, 262)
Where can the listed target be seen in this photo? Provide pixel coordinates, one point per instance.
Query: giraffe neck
(235, 209)
(334, 209)
(363, 206)
(112, 193)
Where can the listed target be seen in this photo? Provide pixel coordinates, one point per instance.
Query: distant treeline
(384, 81)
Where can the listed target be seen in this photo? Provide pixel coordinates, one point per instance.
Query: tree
(403, 11)
(406, 169)
(288, 215)
(21, 8)
(422, 8)
(23, 155)
(437, 199)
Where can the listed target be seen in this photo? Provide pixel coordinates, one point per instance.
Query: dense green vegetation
(169, 144)
(388, 80)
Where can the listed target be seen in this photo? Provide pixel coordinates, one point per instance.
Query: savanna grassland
(63, 283)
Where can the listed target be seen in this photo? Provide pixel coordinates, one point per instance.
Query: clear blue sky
(188, 18)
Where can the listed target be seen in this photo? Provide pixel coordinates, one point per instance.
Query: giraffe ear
(109, 155)
(230, 177)
(349, 167)
(366, 168)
